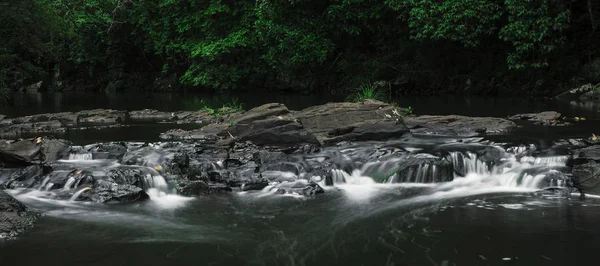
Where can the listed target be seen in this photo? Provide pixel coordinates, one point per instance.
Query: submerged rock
(15, 217)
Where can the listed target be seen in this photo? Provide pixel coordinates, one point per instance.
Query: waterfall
(78, 193)
(48, 186)
(155, 181)
(44, 182)
(468, 163)
(80, 156)
(500, 168)
(69, 183)
(554, 160)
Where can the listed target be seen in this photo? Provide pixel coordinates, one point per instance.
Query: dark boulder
(586, 169)
(8, 159)
(455, 125)
(114, 151)
(335, 119)
(275, 131)
(40, 149)
(537, 117)
(107, 191)
(590, 96)
(260, 113)
(25, 177)
(201, 188)
(255, 185)
(15, 217)
(368, 130)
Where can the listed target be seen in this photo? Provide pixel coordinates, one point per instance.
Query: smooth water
(513, 211)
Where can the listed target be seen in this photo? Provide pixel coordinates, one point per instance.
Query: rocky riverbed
(269, 149)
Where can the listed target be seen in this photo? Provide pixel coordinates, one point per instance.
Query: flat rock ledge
(274, 124)
(269, 124)
(59, 123)
(15, 217)
(456, 125)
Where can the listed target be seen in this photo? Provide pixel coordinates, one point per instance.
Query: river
(485, 216)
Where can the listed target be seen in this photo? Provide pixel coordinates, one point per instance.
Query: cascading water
(80, 156)
(504, 170)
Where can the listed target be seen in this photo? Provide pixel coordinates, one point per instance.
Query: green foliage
(306, 44)
(227, 108)
(534, 29)
(464, 21)
(367, 91)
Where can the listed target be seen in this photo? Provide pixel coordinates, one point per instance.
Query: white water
(80, 156)
(511, 175)
(78, 193)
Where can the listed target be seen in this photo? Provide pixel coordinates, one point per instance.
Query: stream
(454, 205)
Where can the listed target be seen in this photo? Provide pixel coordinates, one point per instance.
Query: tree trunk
(591, 11)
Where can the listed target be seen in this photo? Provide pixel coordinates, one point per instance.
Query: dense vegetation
(410, 46)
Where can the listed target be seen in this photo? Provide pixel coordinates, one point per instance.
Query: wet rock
(8, 159)
(586, 177)
(590, 96)
(261, 112)
(275, 131)
(15, 217)
(54, 149)
(255, 185)
(195, 117)
(101, 117)
(211, 133)
(133, 176)
(575, 93)
(25, 177)
(537, 117)
(150, 115)
(114, 151)
(322, 119)
(299, 187)
(455, 125)
(586, 169)
(368, 130)
(591, 153)
(201, 188)
(29, 149)
(42, 149)
(67, 119)
(14, 131)
(105, 191)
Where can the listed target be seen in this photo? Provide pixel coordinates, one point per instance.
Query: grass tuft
(367, 91)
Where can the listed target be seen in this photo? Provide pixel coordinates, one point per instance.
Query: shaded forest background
(491, 47)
